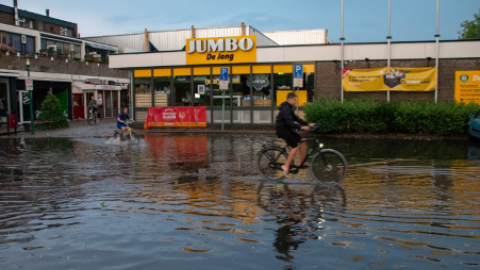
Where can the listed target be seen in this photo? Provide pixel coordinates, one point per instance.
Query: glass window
(142, 81)
(283, 82)
(41, 26)
(218, 94)
(161, 86)
(201, 86)
(241, 90)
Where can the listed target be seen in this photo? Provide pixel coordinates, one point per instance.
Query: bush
(50, 111)
(446, 118)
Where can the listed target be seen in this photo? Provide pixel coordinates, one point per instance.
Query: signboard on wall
(467, 86)
(390, 79)
(221, 50)
(186, 117)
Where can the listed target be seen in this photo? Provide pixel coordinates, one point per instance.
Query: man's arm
(300, 121)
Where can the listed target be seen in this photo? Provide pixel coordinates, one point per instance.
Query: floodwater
(197, 202)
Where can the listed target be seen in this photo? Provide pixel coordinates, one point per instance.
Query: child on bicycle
(122, 119)
(286, 125)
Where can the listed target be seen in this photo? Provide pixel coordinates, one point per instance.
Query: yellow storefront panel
(165, 72)
(282, 96)
(182, 71)
(283, 69)
(467, 86)
(221, 50)
(201, 71)
(308, 68)
(241, 70)
(262, 69)
(142, 73)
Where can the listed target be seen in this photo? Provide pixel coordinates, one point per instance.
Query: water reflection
(198, 200)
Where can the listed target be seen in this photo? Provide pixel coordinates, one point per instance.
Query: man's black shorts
(291, 137)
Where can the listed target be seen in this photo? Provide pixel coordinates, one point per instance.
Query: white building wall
(353, 52)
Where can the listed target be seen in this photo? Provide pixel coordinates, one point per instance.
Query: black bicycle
(328, 167)
(92, 118)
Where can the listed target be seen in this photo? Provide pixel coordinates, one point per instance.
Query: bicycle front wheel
(329, 167)
(134, 138)
(90, 119)
(270, 164)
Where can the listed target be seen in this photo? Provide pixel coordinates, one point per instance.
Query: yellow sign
(222, 50)
(393, 79)
(282, 96)
(467, 86)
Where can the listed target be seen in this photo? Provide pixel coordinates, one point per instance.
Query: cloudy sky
(365, 20)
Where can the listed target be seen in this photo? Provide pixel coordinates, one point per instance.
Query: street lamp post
(30, 96)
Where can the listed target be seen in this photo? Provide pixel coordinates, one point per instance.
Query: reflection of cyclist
(122, 119)
(93, 106)
(286, 124)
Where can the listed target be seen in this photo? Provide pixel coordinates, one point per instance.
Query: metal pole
(342, 40)
(223, 108)
(437, 47)
(389, 37)
(298, 96)
(30, 94)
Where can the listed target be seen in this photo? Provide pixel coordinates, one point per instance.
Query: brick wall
(44, 64)
(7, 18)
(328, 79)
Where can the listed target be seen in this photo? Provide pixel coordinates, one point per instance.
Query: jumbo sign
(224, 50)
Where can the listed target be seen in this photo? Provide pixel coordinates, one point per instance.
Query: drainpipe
(15, 7)
(389, 43)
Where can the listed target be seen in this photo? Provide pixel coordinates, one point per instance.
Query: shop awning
(8, 73)
(101, 46)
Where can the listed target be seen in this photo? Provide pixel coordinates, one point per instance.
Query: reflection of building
(57, 58)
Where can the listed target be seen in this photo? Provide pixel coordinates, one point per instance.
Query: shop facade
(110, 98)
(261, 77)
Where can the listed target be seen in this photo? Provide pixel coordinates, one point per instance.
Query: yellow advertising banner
(467, 86)
(221, 50)
(393, 79)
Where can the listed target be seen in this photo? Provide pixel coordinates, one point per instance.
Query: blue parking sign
(297, 75)
(224, 74)
(298, 69)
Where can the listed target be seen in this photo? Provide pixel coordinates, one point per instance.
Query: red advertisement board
(176, 117)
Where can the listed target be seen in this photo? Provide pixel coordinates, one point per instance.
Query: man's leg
(291, 155)
(303, 150)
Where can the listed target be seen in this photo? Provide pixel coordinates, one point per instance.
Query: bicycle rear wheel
(329, 167)
(270, 162)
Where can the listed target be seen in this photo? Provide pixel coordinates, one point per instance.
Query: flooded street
(197, 202)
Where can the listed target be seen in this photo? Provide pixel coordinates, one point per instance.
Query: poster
(467, 86)
(187, 117)
(393, 79)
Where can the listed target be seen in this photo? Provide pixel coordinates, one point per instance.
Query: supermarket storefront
(254, 91)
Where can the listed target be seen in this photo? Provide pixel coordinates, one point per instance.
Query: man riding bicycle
(286, 125)
(93, 106)
(122, 119)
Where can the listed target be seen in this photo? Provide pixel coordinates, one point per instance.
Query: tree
(50, 111)
(470, 29)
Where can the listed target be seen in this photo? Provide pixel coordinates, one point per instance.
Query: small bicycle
(92, 118)
(127, 135)
(328, 167)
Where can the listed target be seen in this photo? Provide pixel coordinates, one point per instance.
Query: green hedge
(445, 118)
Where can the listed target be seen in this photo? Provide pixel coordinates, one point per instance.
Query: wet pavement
(197, 202)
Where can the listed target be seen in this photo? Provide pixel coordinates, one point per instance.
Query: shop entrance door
(24, 106)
